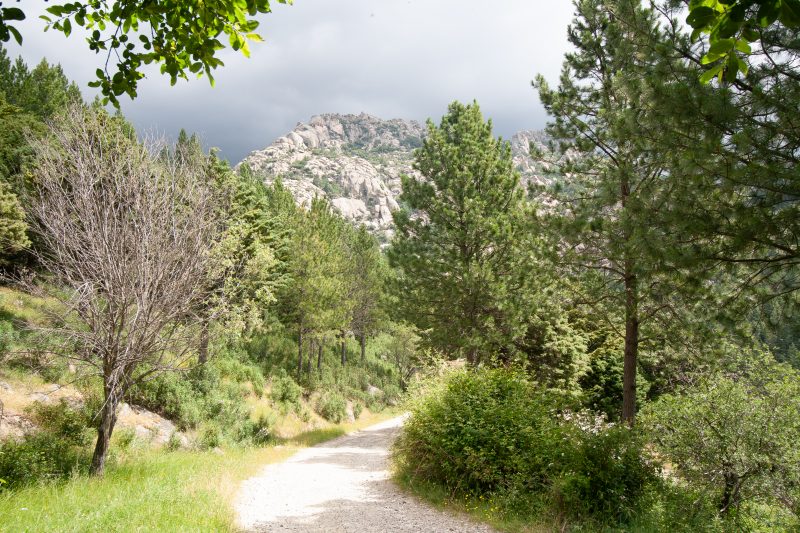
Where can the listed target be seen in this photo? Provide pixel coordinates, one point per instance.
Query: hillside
(356, 162)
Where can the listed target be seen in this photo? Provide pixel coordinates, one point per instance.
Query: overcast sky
(390, 58)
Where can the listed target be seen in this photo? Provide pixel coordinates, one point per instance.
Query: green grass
(22, 307)
(154, 490)
(673, 510)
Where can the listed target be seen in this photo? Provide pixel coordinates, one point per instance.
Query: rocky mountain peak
(356, 162)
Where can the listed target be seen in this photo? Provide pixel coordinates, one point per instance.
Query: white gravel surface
(340, 486)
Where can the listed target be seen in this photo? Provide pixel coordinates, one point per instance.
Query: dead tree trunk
(319, 357)
(363, 340)
(344, 349)
(202, 349)
(108, 419)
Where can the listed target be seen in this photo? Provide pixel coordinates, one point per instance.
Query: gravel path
(340, 486)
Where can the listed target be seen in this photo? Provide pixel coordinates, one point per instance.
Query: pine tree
(732, 157)
(13, 229)
(460, 247)
(367, 275)
(611, 172)
(314, 298)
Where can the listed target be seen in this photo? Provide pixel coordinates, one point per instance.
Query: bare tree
(127, 231)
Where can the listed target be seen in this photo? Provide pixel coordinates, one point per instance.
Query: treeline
(168, 280)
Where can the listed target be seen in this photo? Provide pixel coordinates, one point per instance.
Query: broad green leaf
(15, 33)
(743, 47)
(700, 17)
(13, 13)
(790, 13)
(768, 12)
(710, 73)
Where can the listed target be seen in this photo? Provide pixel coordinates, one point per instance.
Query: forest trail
(340, 486)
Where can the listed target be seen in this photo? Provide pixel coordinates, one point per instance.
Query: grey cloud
(389, 58)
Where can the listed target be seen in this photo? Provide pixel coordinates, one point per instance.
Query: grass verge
(155, 490)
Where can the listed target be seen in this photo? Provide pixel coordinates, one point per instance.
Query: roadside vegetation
(612, 347)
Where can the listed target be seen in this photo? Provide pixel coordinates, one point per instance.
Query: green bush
(174, 443)
(479, 432)
(210, 436)
(262, 431)
(173, 396)
(607, 473)
(8, 335)
(357, 410)
(602, 383)
(285, 389)
(74, 426)
(733, 437)
(494, 434)
(40, 456)
(198, 396)
(57, 450)
(240, 372)
(391, 394)
(332, 407)
(124, 438)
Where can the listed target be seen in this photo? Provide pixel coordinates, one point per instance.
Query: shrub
(63, 421)
(391, 394)
(479, 432)
(241, 373)
(496, 435)
(40, 456)
(332, 407)
(607, 473)
(124, 438)
(55, 451)
(261, 431)
(210, 436)
(171, 395)
(200, 395)
(174, 443)
(285, 389)
(602, 382)
(734, 437)
(357, 409)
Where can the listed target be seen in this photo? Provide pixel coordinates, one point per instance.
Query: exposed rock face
(356, 162)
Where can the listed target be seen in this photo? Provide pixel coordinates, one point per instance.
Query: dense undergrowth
(247, 395)
(494, 443)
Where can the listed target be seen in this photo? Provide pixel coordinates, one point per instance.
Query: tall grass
(154, 490)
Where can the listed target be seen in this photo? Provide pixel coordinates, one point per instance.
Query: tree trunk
(472, 357)
(108, 419)
(319, 357)
(202, 349)
(310, 357)
(299, 350)
(631, 346)
(344, 351)
(728, 494)
(363, 349)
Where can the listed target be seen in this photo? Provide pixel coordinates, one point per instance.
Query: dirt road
(340, 486)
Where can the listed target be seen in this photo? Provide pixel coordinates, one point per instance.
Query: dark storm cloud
(389, 58)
